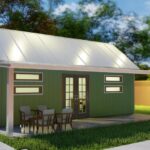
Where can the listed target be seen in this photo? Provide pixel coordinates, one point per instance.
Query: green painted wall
(3, 88)
(101, 104)
(104, 104)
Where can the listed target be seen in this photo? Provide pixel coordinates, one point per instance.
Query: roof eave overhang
(73, 68)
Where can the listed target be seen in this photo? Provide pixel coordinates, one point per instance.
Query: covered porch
(87, 123)
(83, 123)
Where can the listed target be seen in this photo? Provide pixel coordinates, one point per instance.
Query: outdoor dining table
(33, 121)
(58, 121)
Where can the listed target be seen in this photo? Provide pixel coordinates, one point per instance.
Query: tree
(143, 77)
(52, 4)
(71, 26)
(135, 42)
(8, 7)
(79, 24)
(26, 15)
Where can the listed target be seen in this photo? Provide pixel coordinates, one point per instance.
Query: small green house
(93, 78)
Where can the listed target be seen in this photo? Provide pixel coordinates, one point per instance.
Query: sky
(141, 7)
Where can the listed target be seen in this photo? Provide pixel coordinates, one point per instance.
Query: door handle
(76, 97)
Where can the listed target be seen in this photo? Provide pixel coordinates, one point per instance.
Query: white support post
(10, 102)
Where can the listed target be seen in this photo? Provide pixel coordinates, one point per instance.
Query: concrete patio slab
(5, 147)
(136, 146)
(107, 121)
(89, 123)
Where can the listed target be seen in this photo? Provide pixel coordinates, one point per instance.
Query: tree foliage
(135, 43)
(143, 77)
(52, 4)
(71, 26)
(26, 15)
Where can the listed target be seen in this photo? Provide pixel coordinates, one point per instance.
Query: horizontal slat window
(113, 89)
(28, 90)
(38, 76)
(113, 78)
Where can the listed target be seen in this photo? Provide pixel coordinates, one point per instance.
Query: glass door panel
(76, 94)
(82, 94)
(69, 92)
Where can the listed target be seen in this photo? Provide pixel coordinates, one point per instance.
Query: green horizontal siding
(101, 104)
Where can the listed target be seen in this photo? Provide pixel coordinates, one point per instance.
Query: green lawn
(142, 109)
(86, 139)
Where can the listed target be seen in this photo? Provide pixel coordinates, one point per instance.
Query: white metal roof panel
(25, 48)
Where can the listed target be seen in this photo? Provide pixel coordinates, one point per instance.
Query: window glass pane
(80, 81)
(68, 103)
(71, 81)
(80, 95)
(67, 88)
(28, 76)
(113, 78)
(83, 81)
(67, 96)
(84, 88)
(84, 95)
(113, 88)
(28, 90)
(71, 88)
(80, 88)
(71, 95)
(67, 80)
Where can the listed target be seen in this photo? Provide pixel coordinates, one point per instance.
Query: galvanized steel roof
(25, 48)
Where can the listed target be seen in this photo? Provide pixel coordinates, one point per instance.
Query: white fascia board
(77, 68)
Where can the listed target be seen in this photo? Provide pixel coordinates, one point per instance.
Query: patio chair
(26, 117)
(64, 118)
(40, 109)
(46, 119)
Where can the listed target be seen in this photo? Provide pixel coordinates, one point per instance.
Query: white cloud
(62, 8)
(90, 9)
(122, 23)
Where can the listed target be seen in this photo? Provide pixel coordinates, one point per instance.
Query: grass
(89, 139)
(142, 109)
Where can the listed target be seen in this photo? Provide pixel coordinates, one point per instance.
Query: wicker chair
(46, 119)
(64, 118)
(26, 117)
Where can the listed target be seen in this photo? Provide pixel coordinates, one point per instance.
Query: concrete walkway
(5, 147)
(136, 146)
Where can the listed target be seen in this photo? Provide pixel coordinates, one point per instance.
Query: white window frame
(111, 92)
(25, 94)
(121, 77)
(28, 80)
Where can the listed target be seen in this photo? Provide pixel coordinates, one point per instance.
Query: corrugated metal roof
(25, 48)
